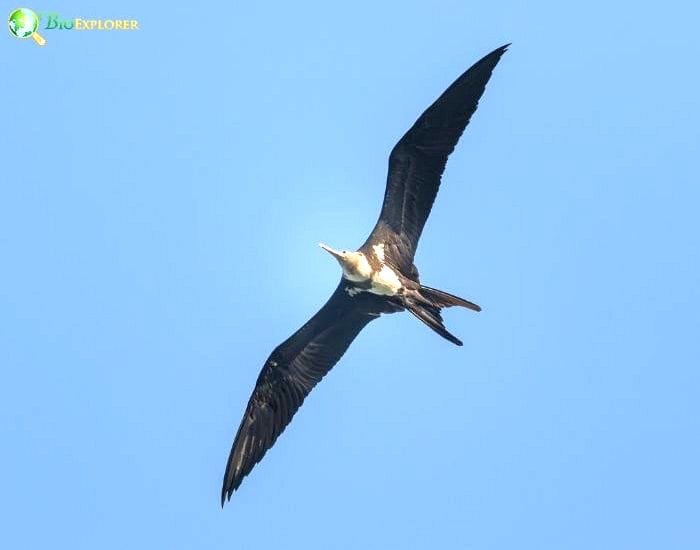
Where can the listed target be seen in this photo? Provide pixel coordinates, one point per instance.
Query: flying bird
(380, 277)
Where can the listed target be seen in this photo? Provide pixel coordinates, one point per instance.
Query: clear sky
(163, 195)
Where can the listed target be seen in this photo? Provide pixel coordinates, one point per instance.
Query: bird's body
(378, 278)
(368, 272)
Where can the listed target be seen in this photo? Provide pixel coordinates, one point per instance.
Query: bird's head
(355, 266)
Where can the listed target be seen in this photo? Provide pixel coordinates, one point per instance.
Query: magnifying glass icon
(23, 23)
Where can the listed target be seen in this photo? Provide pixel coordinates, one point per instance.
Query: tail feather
(430, 315)
(444, 299)
(426, 304)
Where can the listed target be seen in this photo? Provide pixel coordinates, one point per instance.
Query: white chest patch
(385, 282)
(379, 251)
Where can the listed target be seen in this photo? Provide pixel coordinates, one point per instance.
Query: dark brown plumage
(379, 278)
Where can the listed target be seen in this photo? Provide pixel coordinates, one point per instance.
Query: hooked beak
(338, 255)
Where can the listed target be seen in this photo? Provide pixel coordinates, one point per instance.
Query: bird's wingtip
(493, 57)
(502, 49)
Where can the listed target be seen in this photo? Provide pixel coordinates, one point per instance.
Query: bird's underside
(379, 278)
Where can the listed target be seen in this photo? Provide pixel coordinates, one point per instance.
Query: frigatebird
(380, 277)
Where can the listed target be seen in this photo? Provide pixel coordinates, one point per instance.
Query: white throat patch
(362, 269)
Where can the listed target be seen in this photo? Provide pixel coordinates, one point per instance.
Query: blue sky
(164, 194)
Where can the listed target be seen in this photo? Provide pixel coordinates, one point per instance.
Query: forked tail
(426, 304)
(444, 299)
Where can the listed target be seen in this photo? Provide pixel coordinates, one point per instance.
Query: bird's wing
(418, 160)
(289, 375)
